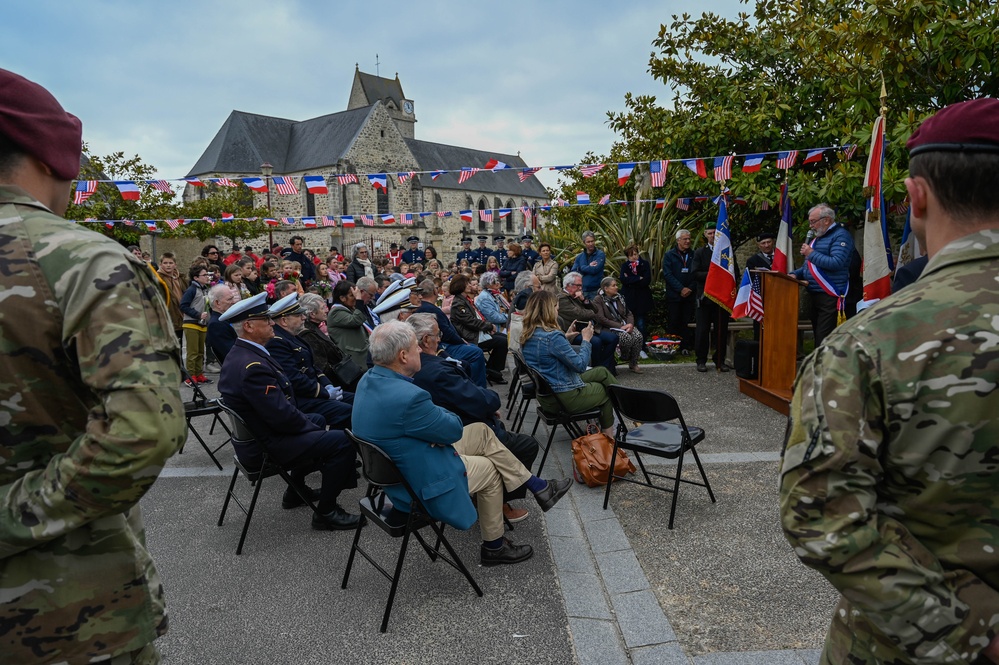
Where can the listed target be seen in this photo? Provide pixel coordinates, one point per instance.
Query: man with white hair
(443, 461)
(221, 336)
(826, 269)
(680, 299)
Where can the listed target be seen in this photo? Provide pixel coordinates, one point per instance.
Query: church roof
(377, 88)
(451, 157)
(247, 140)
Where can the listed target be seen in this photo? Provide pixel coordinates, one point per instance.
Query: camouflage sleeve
(116, 326)
(838, 524)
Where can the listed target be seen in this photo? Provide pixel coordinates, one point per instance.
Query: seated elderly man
(221, 336)
(441, 459)
(452, 342)
(450, 387)
(574, 312)
(256, 388)
(314, 392)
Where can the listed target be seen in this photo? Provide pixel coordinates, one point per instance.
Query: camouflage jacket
(89, 412)
(890, 475)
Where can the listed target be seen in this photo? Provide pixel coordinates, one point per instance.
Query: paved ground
(604, 586)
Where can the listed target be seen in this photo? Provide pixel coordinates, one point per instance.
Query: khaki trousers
(491, 467)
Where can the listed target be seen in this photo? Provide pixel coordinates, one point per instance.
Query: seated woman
(325, 352)
(546, 349)
(491, 302)
(345, 323)
(613, 315)
(475, 329)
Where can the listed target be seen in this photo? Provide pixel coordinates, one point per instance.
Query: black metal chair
(381, 472)
(201, 405)
(520, 399)
(562, 416)
(255, 475)
(655, 435)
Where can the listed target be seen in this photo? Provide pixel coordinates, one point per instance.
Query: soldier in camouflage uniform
(890, 474)
(89, 408)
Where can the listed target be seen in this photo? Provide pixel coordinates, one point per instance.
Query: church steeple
(368, 89)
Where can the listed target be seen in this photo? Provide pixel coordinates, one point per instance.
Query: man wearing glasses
(826, 269)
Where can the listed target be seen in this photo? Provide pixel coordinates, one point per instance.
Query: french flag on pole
(720, 284)
(697, 166)
(315, 184)
(752, 163)
(624, 172)
(256, 184)
(129, 190)
(784, 249)
(582, 198)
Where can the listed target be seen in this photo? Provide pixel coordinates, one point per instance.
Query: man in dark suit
(220, 336)
(712, 320)
(441, 459)
(457, 348)
(451, 388)
(763, 259)
(255, 386)
(314, 392)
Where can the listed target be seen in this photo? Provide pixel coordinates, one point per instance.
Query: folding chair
(525, 392)
(655, 436)
(241, 434)
(562, 416)
(381, 472)
(201, 405)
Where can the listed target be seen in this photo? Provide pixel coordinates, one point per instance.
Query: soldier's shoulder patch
(255, 362)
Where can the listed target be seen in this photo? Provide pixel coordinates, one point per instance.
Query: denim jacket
(551, 355)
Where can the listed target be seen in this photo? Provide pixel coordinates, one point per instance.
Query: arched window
(343, 200)
(383, 197)
(509, 218)
(310, 204)
(482, 224)
(497, 222)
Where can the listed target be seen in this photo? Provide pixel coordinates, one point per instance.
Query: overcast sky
(159, 79)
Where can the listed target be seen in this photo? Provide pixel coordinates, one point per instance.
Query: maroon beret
(32, 119)
(971, 126)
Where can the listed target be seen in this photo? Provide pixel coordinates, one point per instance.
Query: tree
(237, 201)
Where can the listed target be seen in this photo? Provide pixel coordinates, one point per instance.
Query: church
(376, 134)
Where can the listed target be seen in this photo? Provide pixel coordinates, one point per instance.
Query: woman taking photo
(612, 314)
(546, 349)
(475, 329)
(546, 268)
(345, 323)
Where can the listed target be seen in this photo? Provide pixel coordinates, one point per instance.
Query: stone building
(376, 134)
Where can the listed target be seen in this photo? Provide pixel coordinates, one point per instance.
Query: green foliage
(218, 200)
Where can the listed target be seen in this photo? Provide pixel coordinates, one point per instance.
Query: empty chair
(201, 405)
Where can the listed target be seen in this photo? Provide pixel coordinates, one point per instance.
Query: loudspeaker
(747, 359)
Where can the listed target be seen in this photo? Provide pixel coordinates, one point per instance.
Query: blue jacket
(551, 355)
(220, 337)
(592, 275)
(678, 273)
(450, 388)
(405, 425)
(508, 273)
(831, 254)
(448, 334)
(491, 309)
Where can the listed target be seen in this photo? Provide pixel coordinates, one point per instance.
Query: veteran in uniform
(763, 259)
(500, 251)
(256, 388)
(414, 254)
(90, 408)
(466, 253)
(482, 253)
(530, 254)
(890, 474)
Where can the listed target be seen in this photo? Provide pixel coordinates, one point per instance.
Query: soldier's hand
(992, 650)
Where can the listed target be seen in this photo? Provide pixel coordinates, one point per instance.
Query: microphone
(809, 236)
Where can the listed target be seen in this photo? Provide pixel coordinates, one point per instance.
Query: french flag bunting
(813, 156)
(367, 220)
(697, 166)
(309, 222)
(128, 189)
(150, 225)
(196, 182)
(329, 220)
(486, 215)
(347, 178)
(582, 198)
(84, 190)
(660, 204)
(545, 208)
(407, 219)
(315, 184)
(161, 186)
(720, 283)
(657, 171)
(270, 221)
(388, 219)
(723, 168)
(256, 184)
(752, 163)
(466, 216)
(504, 212)
(285, 185)
(590, 170)
(786, 160)
(436, 174)
(379, 180)
(466, 173)
(495, 165)
(605, 199)
(528, 172)
(347, 221)
(227, 217)
(624, 171)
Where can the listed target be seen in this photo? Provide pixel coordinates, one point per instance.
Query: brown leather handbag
(591, 456)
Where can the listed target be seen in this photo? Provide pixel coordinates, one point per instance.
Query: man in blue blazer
(452, 342)
(443, 461)
(256, 388)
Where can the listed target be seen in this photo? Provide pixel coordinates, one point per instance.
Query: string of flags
(722, 169)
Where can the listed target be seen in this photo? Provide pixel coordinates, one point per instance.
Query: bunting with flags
(723, 168)
(379, 181)
(309, 222)
(752, 163)
(786, 160)
(387, 219)
(255, 184)
(404, 176)
(347, 221)
(84, 190)
(697, 166)
(347, 178)
(582, 198)
(466, 173)
(624, 172)
(683, 204)
(466, 216)
(285, 185)
(196, 182)
(436, 174)
(329, 220)
(367, 220)
(224, 182)
(162, 186)
(407, 219)
(128, 190)
(720, 283)
(495, 165)
(528, 172)
(657, 172)
(812, 156)
(486, 215)
(605, 199)
(590, 170)
(315, 184)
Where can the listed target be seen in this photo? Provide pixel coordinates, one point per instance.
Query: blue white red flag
(228, 217)
(624, 171)
(504, 212)
(84, 190)
(128, 189)
(466, 173)
(315, 184)
(752, 163)
(877, 250)
(256, 184)
(528, 172)
(723, 167)
(347, 178)
(466, 216)
(269, 221)
(495, 165)
(582, 198)
(749, 301)
(784, 248)
(590, 170)
(786, 160)
(660, 204)
(161, 186)
(545, 208)
(309, 222)
(436, 174)
(194, 181)
(379, 180)
(428, 214)
(605, 199)
(697, 166)
(285, 185)
(150, 225)
(720, 283)
(388, 219)
(657, 172)
(812, 156)
(347, 221)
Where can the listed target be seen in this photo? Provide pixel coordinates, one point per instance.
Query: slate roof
(377, 88)
(247, 140)
(451, 158)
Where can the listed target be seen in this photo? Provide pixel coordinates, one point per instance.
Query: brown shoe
(636, 369)
(512, 514)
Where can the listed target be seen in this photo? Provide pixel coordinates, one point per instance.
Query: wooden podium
(778, 343)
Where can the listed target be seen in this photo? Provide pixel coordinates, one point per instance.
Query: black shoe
(701, 367)
(291, 499)
(552, 492)
(724, 368)
(337, 520)
(509, 553)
